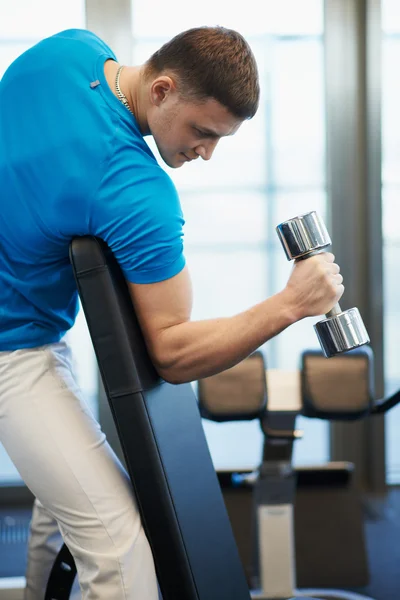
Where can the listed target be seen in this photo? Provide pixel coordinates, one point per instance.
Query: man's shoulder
(82, 37)
(159, 179)
(69, 47)
(136, 183)
(134, 158)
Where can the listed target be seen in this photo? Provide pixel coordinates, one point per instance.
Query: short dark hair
(211, 62)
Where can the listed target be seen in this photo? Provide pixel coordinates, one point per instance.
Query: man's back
(62, 132)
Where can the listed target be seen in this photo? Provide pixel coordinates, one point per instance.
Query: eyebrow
(209, 132)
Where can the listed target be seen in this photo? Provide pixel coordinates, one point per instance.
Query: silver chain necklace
(120, 95)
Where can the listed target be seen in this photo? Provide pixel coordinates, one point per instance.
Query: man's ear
(161, 88)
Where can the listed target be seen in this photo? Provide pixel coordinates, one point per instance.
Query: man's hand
(314, 286)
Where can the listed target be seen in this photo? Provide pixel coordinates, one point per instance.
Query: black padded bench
(164, 446)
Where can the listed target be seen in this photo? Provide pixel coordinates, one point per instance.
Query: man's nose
(206, 150)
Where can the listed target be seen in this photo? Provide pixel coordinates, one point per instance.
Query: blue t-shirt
(73, 162)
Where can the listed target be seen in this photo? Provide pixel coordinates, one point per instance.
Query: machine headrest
(341, 388)
(236, 394)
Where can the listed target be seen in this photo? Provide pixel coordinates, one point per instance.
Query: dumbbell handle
(335, 310)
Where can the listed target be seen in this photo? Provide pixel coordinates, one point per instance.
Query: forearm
(196, 349)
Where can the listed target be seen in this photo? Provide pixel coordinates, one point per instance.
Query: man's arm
(183, 350)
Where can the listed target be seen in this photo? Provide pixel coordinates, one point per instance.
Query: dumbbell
(341, 331)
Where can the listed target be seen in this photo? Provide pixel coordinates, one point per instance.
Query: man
(73, 161)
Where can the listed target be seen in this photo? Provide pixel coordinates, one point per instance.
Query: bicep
(160, 306)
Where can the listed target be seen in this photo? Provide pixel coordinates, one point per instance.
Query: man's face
(185, 130)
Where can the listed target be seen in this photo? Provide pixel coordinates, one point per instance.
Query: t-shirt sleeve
(138, 214)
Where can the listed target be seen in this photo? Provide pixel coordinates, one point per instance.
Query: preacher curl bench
(164, 446)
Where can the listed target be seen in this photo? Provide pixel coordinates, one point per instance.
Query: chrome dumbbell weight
(341, 331)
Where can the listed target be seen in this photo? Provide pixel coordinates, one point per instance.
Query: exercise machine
(337, 389)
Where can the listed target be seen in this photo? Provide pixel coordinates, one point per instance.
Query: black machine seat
(164, 445)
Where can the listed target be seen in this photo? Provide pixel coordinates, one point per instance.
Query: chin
(174, 162)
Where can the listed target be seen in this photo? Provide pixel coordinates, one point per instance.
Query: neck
(131, 83)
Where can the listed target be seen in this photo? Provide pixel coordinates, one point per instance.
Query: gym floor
(382, 533)
(383, 542)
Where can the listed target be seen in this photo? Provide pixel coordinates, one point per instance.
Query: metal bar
(386, 404)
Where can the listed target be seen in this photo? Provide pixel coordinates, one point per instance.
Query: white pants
(81, 487)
